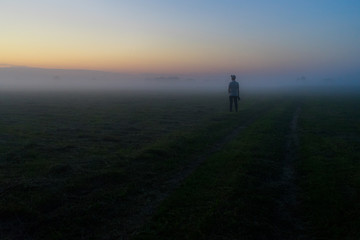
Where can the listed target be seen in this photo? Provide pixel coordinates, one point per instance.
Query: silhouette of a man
(233, 93)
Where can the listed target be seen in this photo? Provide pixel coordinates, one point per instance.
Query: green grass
(232, 195)
(330, 168)
(81, 166)
(74, 163)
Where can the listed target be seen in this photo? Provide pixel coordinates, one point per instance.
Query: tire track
(143, 215)
(290, 224)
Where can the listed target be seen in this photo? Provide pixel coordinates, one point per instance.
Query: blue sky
(315, 37)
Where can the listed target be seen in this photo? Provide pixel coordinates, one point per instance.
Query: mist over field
(116, 120)
(38, 79)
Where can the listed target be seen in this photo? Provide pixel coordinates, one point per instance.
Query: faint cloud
(5, 65)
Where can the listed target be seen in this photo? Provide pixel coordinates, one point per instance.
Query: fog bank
(37, 79)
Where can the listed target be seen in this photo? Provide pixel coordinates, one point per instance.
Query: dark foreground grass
(82, 166)
(94, 167)
(82, 128)
(330, 166)
(234, 194)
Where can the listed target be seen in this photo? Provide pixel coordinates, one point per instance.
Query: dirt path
(290, 225)
(153, 197)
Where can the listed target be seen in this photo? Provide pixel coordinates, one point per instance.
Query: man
(233, 93)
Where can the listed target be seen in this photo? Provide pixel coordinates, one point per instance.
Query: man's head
(233, 77)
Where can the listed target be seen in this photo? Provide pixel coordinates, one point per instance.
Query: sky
(183, 37)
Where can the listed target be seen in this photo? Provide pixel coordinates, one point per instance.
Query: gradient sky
(187, 36)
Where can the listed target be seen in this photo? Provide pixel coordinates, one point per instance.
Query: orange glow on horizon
(155, 54)
(177, 38)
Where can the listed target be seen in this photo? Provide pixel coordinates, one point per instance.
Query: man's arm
(238, 90)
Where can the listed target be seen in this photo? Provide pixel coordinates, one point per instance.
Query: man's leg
(236, 103)
(230, 100)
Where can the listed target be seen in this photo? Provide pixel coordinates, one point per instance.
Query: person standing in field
(234, 95)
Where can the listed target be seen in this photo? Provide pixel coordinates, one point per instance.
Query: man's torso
(234, 89)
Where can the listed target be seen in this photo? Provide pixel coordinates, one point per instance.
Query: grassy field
(330, 167)
(179, 166)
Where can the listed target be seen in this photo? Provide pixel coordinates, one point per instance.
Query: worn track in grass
(155, 195)
(290, 224)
